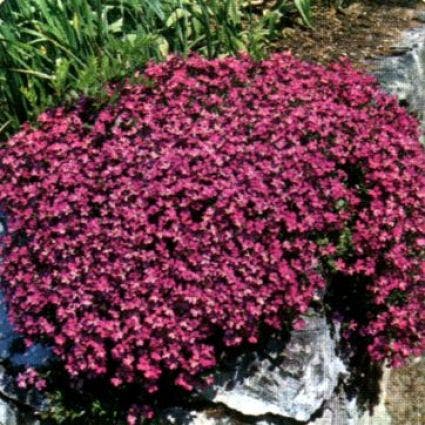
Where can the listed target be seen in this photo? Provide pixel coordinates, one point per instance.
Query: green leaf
(175, 16)
(116, 26)
(163, 46)
(304, 9)
(32, 72)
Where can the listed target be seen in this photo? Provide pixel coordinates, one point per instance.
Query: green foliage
(304, 9)
(71, 412)
(345, 244)
(52, 51)
(69, 404)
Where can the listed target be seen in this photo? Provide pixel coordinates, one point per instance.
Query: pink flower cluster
(31, 378)
(205, 203)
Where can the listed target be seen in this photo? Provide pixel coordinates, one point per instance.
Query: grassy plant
(304, 9)
(51, 51)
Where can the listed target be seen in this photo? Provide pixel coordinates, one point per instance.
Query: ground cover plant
(212, 200)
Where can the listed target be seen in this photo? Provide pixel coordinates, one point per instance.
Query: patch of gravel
(406, 394)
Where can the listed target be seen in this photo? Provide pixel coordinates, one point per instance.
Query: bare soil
(362, 31)
(406, 394)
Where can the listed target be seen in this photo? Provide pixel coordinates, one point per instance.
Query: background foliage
(51, 51)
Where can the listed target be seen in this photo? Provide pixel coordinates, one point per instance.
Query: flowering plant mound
(211, 200)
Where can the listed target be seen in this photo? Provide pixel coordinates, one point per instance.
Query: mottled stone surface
(294, 381)
(404, 73)
(12, 409)
(301, 382)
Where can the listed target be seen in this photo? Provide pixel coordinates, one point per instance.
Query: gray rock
(404, 73)
(302, 382)
(13, 410)
(420, 17)
(270, 408)
(294, 384)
